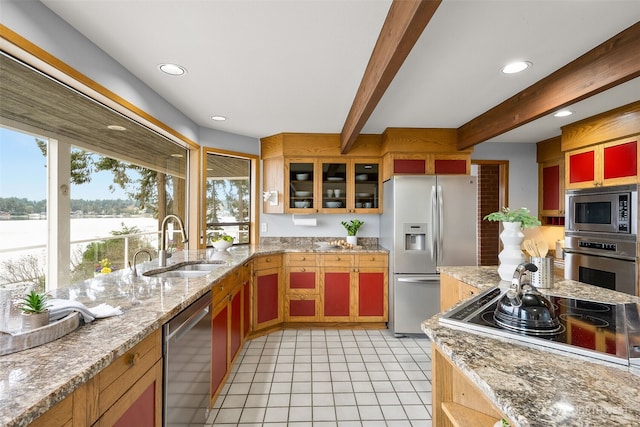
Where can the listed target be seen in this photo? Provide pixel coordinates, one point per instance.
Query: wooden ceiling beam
(612, 63)
(403, 26)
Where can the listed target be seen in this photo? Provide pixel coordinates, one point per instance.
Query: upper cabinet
(423, 151)
(309, 175)
(306, 173)
(613, 163)
(550, 182)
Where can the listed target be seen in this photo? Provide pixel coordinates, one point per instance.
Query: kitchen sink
(185, 270)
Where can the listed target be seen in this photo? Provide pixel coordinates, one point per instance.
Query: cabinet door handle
(134, 358)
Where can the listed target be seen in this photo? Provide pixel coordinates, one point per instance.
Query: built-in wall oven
(601, 237)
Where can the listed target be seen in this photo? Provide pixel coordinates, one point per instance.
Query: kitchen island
(33, 381)
(488, 378)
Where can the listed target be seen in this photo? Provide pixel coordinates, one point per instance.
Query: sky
(23, 172)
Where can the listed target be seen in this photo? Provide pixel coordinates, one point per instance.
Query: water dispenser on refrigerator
(415, 236)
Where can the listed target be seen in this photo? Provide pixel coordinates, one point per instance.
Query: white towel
(60, 308)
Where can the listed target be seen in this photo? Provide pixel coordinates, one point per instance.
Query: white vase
(511, 254)
(352, 240)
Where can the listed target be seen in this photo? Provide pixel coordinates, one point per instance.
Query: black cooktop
(589, 328)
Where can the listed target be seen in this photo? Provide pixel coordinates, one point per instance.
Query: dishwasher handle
(198, 310)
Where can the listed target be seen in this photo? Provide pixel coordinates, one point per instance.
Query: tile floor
(364, 378)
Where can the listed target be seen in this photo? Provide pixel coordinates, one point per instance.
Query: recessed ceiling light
(117, 127)
(516, 67)
(172, 69)
(218, 118)
(563, 113)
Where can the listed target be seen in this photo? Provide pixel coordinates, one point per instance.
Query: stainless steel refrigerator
(427, 221)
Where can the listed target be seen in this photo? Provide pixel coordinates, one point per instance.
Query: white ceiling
(295, 66)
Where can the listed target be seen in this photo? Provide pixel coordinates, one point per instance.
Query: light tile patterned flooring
(347, 378)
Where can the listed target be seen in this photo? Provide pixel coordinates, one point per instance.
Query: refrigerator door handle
(440, 222)
(434, 215)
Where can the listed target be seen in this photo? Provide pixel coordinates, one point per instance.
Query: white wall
(523, 170)
(228, 141)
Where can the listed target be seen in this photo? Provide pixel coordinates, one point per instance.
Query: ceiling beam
(612, 63)
(403, 26)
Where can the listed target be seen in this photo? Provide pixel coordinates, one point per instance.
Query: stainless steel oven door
(610, 273)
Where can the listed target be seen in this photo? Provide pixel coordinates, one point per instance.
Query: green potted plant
(352, 228)
(35, 311)
(513, 221)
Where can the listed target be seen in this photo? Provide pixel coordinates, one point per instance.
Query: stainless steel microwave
(602, 210)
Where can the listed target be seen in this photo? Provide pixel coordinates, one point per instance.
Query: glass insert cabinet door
(334, 185)
(301, 185)
(366, 184)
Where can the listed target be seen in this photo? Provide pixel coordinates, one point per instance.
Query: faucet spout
(135, 256)
(162, 253)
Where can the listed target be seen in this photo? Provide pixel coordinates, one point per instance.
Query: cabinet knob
(268, 259)
(338, 258)
(134, 358)
(303, 258)
(303, 269)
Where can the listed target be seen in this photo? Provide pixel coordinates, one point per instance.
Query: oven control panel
(623, 213)
(588, 244)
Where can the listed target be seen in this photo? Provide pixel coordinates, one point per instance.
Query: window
(101, 182)
(228, 198)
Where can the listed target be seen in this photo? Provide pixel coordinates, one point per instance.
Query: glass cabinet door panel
(334, 185)
(301, 186)
(367, 187)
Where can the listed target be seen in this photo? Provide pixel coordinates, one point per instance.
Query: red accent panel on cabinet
(336, 294)
(621, 160)
(267, 297)
(409, 166)
(581, 167)
(551, 188)
(142, 411)
(302, 308)
(236, 323)
(302, 280)
(219, 348)
(450, 166)
(371, 294)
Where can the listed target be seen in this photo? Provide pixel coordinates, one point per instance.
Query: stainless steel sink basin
(185, 270)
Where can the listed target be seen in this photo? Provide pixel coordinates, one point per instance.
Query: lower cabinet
(302, 299)
(128, 392)
(456, 401)
(453, 291)
(267, 292)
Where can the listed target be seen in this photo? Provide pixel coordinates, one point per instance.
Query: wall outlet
(264, 227)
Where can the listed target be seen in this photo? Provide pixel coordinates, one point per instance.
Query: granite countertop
(34, 380)
(541, 387)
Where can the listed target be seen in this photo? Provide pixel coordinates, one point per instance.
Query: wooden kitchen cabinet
(219, 347)
(551, 181)
(371, 282)
(302, 297)
(613, 163)
(456, 401)
(336, 284)
(267, 292)
(452, 291)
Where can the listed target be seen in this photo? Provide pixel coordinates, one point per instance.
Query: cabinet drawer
(300, 259)
(127, 369)
(336, 260)
(268, 261)
(372, 260)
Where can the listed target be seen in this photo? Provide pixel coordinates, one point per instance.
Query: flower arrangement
(352, 226)
(104, 266)
(521, 215)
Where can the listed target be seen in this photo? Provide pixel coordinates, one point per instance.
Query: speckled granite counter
(32, 381)
(541, 387)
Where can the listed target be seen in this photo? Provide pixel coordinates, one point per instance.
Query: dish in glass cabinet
(334, 204)
(303, 193)
(362, 177)
(364, 194)
(302, 204)
(335, 178)
(302, 176)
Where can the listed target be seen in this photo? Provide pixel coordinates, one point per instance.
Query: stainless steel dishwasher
(187, 365)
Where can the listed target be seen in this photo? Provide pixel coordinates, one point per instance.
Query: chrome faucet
(135, 256)
(162, 253)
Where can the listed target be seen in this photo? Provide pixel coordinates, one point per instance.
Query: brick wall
(488, 201)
